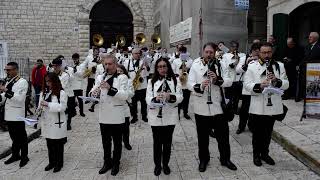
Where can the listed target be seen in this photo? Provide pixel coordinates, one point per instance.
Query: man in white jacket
(13, 96)
(113, 90)
(263, 106)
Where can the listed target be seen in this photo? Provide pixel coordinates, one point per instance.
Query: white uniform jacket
(255, 76)
(15, 100)
(199, 96)
(227, 61)
(49, 119)
(112, 101)
(170, 110)
(132, 70)
(129, 100)
(77, 82)
(65, 82)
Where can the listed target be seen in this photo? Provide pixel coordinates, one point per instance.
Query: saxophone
(138, 79)
(183, 77)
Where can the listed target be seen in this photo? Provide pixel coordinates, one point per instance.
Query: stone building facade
(45, 29)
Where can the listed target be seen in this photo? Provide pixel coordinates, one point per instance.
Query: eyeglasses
(164, 66)
(9, 69)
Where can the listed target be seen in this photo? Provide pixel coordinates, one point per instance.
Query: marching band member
(13, 96)
(231, 60)
(264, 106)
(91, 64)
(163, 88)
(78, 71)
(246, 96)
(126, 130)
(181, 68)
(113, 90)
(53, 103)
(138, 70)
(206, 79)
(65, 79)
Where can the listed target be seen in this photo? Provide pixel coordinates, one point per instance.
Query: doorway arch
(111, 18)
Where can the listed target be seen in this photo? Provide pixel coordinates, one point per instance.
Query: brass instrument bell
(141, 38)
(97, 39)
(121, 40)
(156, 39)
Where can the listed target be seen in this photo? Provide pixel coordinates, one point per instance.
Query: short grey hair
(105, 56)
(315, 34)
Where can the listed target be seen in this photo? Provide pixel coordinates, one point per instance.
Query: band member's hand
(44, 103)
(105, 85)
(205, 83)
(3, 89)
(212, 76)
(251, 58)
(159, 97)
(167, 96)
(265, 83)
(271, 76)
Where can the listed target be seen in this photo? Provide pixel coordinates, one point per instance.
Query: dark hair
(159, 48)
(40, 60)
(182, 49)
(255, 46)
(266, 44)
(14, 64)
(213, 45)
(234, 42)
(75, 56)
(124, 70)
(170, 73)
(221, 42)
(57, 60)
(56, 84)
(144, 49)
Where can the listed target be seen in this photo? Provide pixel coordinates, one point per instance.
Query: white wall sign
(181, 31)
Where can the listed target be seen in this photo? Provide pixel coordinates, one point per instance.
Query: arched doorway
(303, 20)
(111, 18)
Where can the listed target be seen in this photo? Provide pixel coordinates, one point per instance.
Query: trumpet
(162, 101)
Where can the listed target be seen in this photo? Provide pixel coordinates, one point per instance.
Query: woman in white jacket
(126, 130)
(163, 88)
(53, 102)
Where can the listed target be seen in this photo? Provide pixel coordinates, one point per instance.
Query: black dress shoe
(239, 131)
(257, 161)
(24, 161)
(86, 102)
(115, 170)
(106, 167)
(166, 170)
(145, 119)
(187, 116)
(203, 166)
(69, 127)
(229, 165)
(82, 114)
(268, 159)
(12, 159)
(133, 121)
(212, 134)
(91, 110)
(57, 169)
(128, 146)
(157, 171)
(49, 167)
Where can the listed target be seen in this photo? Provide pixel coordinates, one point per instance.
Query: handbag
(280, 117)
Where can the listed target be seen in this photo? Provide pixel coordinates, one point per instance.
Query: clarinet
(209, 99)
(269, 103)
(162, 100)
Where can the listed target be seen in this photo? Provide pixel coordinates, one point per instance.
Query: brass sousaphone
(140, 38)
(120, 40)
(97, 40)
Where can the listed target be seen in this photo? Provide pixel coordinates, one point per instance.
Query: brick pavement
(84, 157)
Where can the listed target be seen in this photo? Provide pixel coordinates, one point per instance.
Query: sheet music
(272, 90)
(29, 122)
(91, 99)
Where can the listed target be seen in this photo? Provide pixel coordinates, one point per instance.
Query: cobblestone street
(84, 157)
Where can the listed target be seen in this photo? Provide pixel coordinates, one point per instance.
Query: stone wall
(45, 29)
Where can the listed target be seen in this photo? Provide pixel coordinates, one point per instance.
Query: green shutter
(280, 32)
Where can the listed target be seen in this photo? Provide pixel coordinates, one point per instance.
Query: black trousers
(139, 95)
(126, 131)
(244, 116)
(71, 109)
(220, 125)
(162, 141)
(18, 135)
(234, 94)
(112, 132)
(185, 102)
(56, 151)
(89, 85)
(77, 93)
(262, 127)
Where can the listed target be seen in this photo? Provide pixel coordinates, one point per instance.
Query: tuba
(121, 41)
(156, 40)
(97, 39)
(140, 38)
